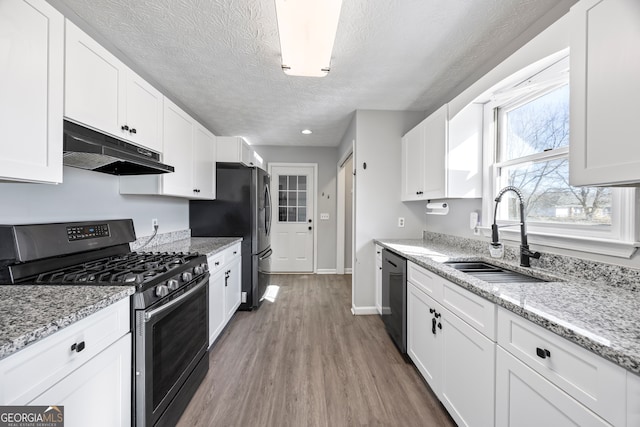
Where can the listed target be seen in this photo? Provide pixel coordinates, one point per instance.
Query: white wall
(326, 158)
(86, 195)
(377, 202)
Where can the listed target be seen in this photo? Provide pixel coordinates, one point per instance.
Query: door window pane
(292, 198)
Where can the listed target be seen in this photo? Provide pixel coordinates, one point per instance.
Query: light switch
(324, 216)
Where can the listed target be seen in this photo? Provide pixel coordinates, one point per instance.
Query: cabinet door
(177, 151)
(217, 315)
(413, 164)
(468, 372)
(423, 341)
(233, 288)
(435, 142)
(464, 153)
(204, 164)
(31, 91)
(525, 399)
(99, 392)
(605, 65)
(94, 83)
(143, 113)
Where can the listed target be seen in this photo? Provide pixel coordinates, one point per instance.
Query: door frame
(315, 201)
(340, 213)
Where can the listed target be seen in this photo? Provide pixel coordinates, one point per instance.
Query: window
(533, 141)
(292, 198)
(527, 135)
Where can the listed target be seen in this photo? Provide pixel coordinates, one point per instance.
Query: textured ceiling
(221, 58)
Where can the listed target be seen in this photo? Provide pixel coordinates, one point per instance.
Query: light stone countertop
(29, 313)
(204, 245)
(597, 315)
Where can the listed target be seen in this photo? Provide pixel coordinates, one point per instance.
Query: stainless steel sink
(491, 273)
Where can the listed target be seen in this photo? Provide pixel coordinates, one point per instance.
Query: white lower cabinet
(423, 343)
(525, 399)
(456, 360)
(225, 289)
(85, 367)
(103, 382)
(233, 283)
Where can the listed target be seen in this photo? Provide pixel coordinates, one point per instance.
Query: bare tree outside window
(537, 132)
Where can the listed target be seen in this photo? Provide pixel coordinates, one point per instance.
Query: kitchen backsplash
(160, 239)
(613, 275)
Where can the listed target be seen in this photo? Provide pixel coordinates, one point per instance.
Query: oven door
(171, 342)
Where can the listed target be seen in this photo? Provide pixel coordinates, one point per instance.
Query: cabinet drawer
(595, 382)
(633, 400)
(26, 374)
(216, 262)
(473, 309)
(232, 253)
(427, 281)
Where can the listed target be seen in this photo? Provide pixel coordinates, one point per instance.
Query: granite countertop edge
(204, 245)
(628, 360)
(11, 345)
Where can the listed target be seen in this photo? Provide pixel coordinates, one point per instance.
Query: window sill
(615, 248)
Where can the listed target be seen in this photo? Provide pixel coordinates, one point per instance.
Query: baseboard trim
(363, 311)
(326, 271)
(348, 271)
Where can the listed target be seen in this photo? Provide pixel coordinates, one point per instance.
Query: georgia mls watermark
(31, 416)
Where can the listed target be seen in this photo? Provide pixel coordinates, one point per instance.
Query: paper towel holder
(441, 208)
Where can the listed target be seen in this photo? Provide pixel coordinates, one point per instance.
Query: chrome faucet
(525, 253)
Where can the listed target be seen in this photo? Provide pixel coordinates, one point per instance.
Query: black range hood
(86, 148)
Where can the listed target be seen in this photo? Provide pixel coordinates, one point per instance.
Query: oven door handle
(150, 315)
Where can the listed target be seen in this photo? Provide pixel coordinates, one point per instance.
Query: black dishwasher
(394, 298)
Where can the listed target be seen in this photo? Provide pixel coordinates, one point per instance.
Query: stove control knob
(162, 291)
(186, 276)
(205, 266)
(172, 284)
(198, 270)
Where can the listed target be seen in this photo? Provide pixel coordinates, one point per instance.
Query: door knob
(310, 227)
(310, 220)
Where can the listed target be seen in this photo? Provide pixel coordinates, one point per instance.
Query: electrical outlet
(154, 223)
(400, 222)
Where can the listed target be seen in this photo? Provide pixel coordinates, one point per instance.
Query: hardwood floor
(305, 360)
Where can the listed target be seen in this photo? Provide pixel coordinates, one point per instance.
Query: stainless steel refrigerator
(242, 209)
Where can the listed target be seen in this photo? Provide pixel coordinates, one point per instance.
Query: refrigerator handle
(267, 213)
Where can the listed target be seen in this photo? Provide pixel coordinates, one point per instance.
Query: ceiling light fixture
(307, 131)
(307, 31)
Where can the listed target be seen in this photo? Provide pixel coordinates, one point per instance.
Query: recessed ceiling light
(307, 132)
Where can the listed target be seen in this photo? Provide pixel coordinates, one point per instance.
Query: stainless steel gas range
(169, 309)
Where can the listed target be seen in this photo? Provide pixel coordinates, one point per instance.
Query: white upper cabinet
(442, 156)
(464, 153)
(31, 91)
(179, 130)
(234, 149)
(412, 164)
(191, 150)
(103, 93)
(204, 163)
(605, 88)
(435, 140)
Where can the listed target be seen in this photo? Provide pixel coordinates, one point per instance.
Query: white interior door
(293, 201)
